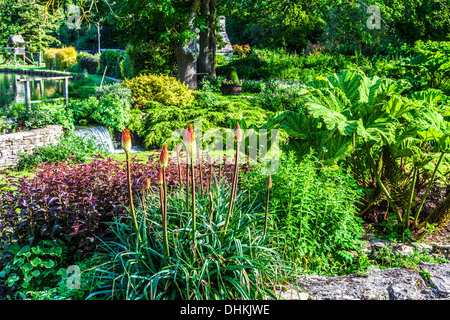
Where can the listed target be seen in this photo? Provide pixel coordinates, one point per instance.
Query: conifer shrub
(158, 88)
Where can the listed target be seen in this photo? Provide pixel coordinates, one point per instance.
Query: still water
(13, 92)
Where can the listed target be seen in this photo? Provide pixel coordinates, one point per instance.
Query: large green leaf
(430, 96)
(430, 125)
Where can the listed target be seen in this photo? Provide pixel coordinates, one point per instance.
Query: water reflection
(13, 92)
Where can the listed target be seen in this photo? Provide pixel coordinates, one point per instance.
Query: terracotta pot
(231, 89)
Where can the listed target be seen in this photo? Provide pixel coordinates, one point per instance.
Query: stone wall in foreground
(11, 144)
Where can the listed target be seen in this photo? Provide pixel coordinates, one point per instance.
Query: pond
(13, 92)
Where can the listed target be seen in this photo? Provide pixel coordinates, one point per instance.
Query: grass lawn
(138, 156)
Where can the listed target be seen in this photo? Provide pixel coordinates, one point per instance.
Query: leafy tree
(30, 19)
(277, 23)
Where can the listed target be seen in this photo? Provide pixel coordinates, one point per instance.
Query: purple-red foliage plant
(75, 202)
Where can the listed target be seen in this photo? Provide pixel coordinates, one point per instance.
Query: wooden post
(27, 96)
(104, 72)
(39, 90)
(66, 90)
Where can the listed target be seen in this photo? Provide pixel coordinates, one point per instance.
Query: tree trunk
(186, 55)
(208, 40)
(187, 64)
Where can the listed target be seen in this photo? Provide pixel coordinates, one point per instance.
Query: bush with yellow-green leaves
(60, 58)
(159, 88)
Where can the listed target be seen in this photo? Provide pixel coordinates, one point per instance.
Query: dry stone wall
(12, 144)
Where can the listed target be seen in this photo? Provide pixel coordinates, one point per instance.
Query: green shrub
(81, 55)
(49, 56)
(160, 88)
(90, 63)
(253, 86)
(117, 91)
(125, 68)
(313, 208)
(154, 57)
(109, 110)
(43, 114)
(211, 84)
(221, 60)
(111, 59)
(233, 76)
(68, 148)
(278, 95)
(83, 108)
(112, 112)
(264, 64)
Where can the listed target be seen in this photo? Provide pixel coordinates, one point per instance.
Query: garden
(227, 175)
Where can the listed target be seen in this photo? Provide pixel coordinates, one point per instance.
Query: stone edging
(12, 144)
(429, 282)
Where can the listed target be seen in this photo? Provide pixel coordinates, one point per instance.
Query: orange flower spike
(163, 158)
(238, 133)
(189, 140)
(126, 140)
(147, 183)
(159, 178)
(269, 182)
(192, 139)
(178, 148)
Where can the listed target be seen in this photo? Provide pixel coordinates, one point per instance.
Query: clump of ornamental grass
(211, 247)
(236, 264)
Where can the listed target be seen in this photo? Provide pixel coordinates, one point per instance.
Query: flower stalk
(238, 139)
(126, 146)
(200, 170)
(180, 181)
(189, 140)
(145, 190)
(163, 162)
(268, 186)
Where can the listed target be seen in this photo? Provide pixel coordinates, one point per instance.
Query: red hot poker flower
(238, 133)
(126, 140)
(159, 178)
(163, 158)
(189, 139)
